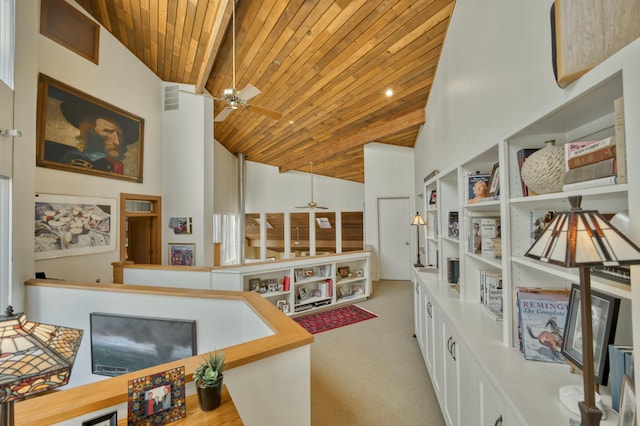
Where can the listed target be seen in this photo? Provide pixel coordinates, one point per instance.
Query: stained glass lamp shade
(580, 239)
(34, 357)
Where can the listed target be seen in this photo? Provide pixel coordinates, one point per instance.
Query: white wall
(389, 173)
(269, 191)
(187, 160)
(119, 79)
(495, 67)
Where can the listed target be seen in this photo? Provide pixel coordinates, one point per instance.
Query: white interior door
(394, 238)
(6, 161)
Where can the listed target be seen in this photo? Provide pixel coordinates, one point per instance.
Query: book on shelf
(621, 149)
(597, 170)
(620, 364)
(521, 156)
(592, 146)
(618, 273)
(477, 187)
(593, 183)
(453, 224)
(591, 157)
(571, 147)
(489, 229)
(538, 221)
(453, 270)
(474, 240)
(542, 316)
(491, 292)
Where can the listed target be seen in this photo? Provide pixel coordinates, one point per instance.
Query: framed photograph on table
(604, 312)
(157, 399)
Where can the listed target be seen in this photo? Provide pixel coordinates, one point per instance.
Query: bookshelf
(585, 112)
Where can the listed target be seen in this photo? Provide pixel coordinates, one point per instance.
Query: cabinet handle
(453, 350)
(449, 344)
(429, 309)
(498, 421)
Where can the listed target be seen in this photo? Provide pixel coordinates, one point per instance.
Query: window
(7, 40)
(5, 241)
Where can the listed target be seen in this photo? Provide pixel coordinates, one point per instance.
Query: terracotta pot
(209, 397)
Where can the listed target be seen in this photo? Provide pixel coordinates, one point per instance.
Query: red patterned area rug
(334, 318)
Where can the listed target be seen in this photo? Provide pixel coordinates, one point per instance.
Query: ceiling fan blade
(248, 92)
(223, 114)
(322, 207)
(264, 111)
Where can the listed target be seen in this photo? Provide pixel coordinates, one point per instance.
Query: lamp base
(418, 265)
(572, 396)
(590, 416)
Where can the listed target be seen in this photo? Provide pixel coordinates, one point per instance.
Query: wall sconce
(581, 239)
(417, 221)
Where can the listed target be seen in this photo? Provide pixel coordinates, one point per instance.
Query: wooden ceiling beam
(217, 32)
(413, 119)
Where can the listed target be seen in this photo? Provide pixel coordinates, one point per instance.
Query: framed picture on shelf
(494, 181)
(254, 284)
(627, 416)
(343, 271)
(357, 289)
(303, 293)
(299, 275)
(604, 312)
(433, 197)
(286, 308)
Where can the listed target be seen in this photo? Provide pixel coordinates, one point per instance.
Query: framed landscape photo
(124, 343)
(182, 254)
(79, 133)
(67, 225)
(604, 312)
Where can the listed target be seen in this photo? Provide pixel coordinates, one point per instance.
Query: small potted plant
(208, 379)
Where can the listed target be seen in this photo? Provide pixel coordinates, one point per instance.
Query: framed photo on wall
(79, 133)
(604, 313)
(182, 254)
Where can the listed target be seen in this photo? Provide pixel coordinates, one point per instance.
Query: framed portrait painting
(604, 313)
(79, 133)
(67, 225)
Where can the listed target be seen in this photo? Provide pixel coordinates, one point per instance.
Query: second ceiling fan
(311, 204)
(231, 96)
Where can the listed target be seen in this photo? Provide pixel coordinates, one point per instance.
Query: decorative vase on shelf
(543, 171)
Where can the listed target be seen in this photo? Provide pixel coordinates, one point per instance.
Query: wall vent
(170, 97)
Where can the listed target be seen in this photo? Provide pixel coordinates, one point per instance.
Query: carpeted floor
(334, 318)
(372, 372)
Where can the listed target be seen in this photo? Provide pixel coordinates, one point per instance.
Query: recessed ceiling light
(389, 93)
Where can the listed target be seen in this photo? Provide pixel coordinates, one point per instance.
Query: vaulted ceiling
(325, 65)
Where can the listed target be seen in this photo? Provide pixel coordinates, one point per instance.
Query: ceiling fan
(312, 204)
(240, 99)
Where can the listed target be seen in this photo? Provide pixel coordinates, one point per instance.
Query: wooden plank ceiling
(323, 64)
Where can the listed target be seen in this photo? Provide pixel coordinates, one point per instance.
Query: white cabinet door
(429, 332)
(450, 392)
(419, 313)
(493, 410)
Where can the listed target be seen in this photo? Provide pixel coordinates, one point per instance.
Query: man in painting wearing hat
(102, 140)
